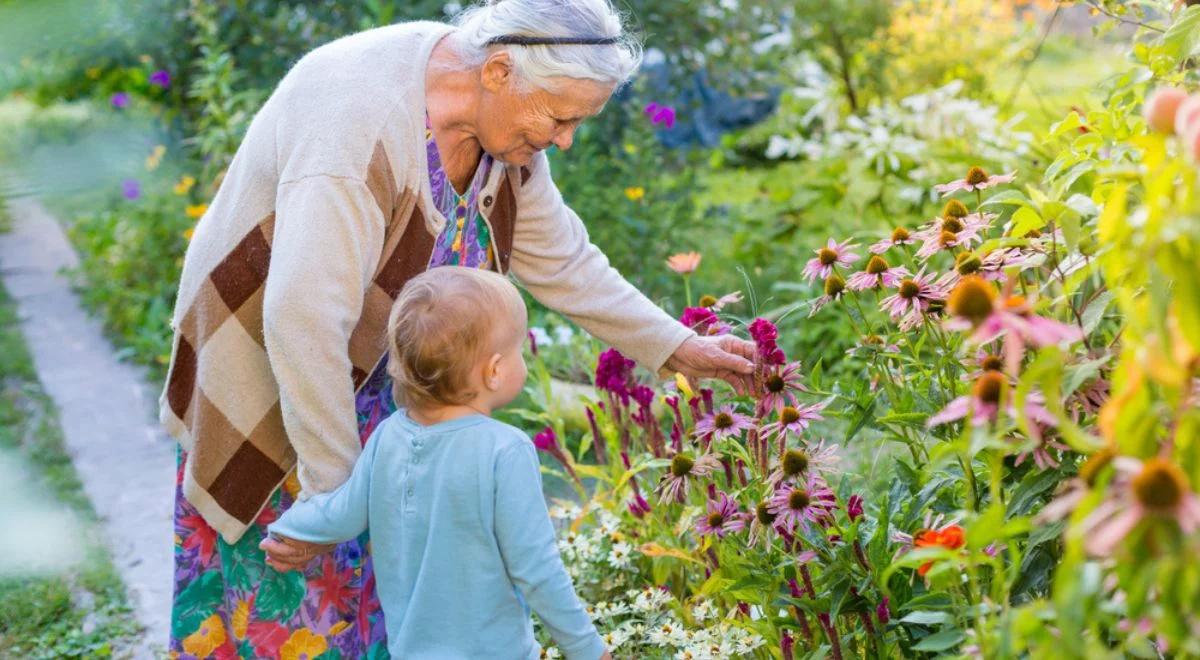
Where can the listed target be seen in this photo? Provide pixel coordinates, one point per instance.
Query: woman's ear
(496, 73)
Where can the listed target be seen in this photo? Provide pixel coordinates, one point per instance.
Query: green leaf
(1025, 220)
(1181, 39)
(926, 618)
(941, 641)
(280, 595)
(1069, 123)
(197, 602)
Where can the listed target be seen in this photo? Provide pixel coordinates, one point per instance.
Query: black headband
(518, 40)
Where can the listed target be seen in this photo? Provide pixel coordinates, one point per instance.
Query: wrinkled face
(516, 121)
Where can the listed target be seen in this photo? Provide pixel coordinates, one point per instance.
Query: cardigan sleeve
(328, 233)
(553, 257)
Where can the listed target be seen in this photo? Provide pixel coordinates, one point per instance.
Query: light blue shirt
(458, 527)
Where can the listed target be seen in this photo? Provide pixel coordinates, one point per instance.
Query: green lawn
(81, 613)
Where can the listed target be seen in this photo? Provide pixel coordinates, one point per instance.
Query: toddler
(461, 540)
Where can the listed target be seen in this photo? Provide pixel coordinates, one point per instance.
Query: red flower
(334, 587)
(951, 537)
(266, 637)
(201, 536)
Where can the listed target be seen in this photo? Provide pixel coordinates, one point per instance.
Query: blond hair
(443, 322)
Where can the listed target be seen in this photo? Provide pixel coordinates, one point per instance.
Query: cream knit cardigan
(325, 210)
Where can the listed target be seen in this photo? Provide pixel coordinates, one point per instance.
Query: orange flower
(635, 193)
(196, 210)
(684, 263)
(207, 637)
(951, 537)
(303, 644)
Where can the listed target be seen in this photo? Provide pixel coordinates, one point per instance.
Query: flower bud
(1161, 108)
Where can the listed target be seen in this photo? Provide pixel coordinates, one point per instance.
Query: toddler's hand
(284, 554)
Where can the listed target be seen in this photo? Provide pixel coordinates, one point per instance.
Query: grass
(82, 613)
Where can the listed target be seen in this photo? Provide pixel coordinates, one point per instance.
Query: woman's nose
(565, 138)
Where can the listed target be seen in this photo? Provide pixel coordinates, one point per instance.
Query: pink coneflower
(900, 236)
(660, 114)
(974, 304)
(796, 505)
(724, 422)
(717, 304)
(778, 388)
(976, 179)
(796, 463)
(997, 261)
(723, 517)
(983, 404)
(684, 263)
(792, 420)
(1155, 490)
(1075, 490)
(832, 255)
(834, 286)
(877, 274)
(1040, 452)
(683, 468)
(762, 524)
(911, 300)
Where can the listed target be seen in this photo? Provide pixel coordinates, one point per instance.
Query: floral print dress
(228, 603)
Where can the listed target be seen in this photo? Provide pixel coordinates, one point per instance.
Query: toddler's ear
(491, 372)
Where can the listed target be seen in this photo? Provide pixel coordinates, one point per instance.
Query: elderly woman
(378, 156)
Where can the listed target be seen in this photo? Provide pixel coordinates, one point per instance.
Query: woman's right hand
(284, 554)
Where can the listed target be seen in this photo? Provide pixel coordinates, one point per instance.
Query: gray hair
(537, 65)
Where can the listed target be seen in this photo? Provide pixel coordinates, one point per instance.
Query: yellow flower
(292, 484)
(188, 233)
(207, 638)
(196, 210)
(241, 619)
(155, 157)
(303, 644)
(185, 185)
(684, 386)
(635, 193)
(93, 72)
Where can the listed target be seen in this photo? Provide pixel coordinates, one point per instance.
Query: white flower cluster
(562, 335)
(895, 135)
(636, 620)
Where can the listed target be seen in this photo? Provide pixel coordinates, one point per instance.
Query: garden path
(125, 461)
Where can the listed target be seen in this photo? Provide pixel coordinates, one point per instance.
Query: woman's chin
(519, 157)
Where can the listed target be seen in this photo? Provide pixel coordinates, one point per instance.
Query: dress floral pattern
(228, 603)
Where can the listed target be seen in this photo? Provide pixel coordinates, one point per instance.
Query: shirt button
(410, 492)
(487, 201)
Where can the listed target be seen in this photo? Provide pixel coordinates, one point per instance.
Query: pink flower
(976, 179)
(614, 374)
(660, 114)
(683, 467)
(982, 405)
(900, 236)
(832, 255)
(723, 423)
(911, 299)
(684, 263)
(1040, 452)
(778, 388)
(724, 301)
(547, 440)
(974, 304)
(796, 463)
(764, 334)
(1152, 491)
(834, 287)
(854, 510)
(798, 505)
(792, 420)
(877, 274)
(704, 321)
(723, 517)
(638, 506)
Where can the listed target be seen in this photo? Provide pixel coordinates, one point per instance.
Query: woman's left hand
(284, 554)
(726, 357)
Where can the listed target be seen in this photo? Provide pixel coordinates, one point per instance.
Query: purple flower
(643, 395)
(723, 423)
(660, 114)
(882, 612)
(797, 505)
(533, 343)
(764, 334)
(131, 189)
(834, 254)
(614, 373)
(704, 321)
(854, 509)
(638, 506)
(161, 78)
(546, 440)
(120, 100)
(723, 517)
